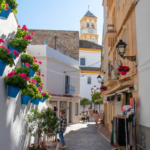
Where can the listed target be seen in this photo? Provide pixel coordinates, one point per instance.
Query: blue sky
(58, 14)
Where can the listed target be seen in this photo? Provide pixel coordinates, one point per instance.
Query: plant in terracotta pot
(6, 58)
(123, 69)
(103, 88)
(16, 81)
(45, 95)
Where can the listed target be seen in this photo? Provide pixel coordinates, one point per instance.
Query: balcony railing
(111, 28)
(69, 89)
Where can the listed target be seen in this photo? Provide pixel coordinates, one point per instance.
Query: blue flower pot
(43, 100)
(25, 99)
(12, 49)
(32, 100)
(32, 72)
(36, 102)
(2, 67)
(5, 13)
(37, 84)
(12, 91)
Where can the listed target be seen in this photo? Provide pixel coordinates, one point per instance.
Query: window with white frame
(76, 109)
(89, 80)
(82, 61)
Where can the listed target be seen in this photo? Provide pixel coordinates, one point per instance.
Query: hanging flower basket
(36, 101)
(12, 91)
(103, 88)
(32, 72)
(123, 70)
(14, 51)
(2, 67)
(25, 99)
(43, 100)
(5, 13)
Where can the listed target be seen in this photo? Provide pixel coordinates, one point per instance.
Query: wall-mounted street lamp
(121, 48)
(99, 78)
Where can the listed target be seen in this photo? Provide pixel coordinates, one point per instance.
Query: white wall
(143, 40)
(90, 58)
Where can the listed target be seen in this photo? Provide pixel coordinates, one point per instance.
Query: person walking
(62, 124)
(96, 117)
(88, 115)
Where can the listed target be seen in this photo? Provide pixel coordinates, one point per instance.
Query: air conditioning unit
(117, 63)
(114, 74)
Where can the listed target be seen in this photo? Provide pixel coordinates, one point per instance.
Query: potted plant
(123, 70)
(6, 58)
(41, 85)
(7, 6)
(41, 146)
(16, 82)
(37, 99)
(22, 70)
(22, 32)
(103, 88)
(38, 79)
(26, 58)
(45, 95)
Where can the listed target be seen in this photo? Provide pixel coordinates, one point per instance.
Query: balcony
(111, 28)
(69, 89)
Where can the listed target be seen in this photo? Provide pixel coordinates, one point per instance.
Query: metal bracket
(131, 58)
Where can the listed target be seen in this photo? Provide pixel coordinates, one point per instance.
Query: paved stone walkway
(85, 137)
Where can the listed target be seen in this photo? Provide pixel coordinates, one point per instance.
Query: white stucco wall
(143, 40)
(90, 58)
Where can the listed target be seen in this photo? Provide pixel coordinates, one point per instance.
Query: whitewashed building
(62, 78)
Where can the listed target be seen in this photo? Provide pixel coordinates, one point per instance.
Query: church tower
(88, 28)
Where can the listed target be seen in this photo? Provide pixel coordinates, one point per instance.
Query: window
(92, 25)
(87, 25)
(45, 42)
(89, 80)
(77, 59)
(82, 61)
(76, 109)
(58, 50)
(68, 55)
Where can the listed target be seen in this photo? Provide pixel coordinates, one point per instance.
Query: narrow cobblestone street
(85, 137)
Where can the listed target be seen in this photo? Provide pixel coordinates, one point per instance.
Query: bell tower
(88, 28)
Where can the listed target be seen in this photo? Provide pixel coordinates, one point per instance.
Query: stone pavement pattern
(85, 137)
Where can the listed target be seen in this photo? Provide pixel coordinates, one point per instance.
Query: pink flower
(3, 46)
(43, 94)
(27, 78)
(19, 26)
(32, 33)
(49, 92)
(39, 88)
(42, 75)
(10, 74)
(27, 64)
(1, 41)
(23, 75)
(40, 62)
(34, 57)
(37, 73)
(24, 28)
(27, 37)
(8, 50)
(7, 7)
(23, 63)
(34, 81)
(15, 53)
(31, 88)
(19, 74)
(13, 72)
(35, 60)
(42, 84)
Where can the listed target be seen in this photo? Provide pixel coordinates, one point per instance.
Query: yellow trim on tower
(87, 49)
(92, 72)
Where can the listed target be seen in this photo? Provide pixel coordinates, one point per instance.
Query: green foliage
(21, 33)
(39, 96)
(41, 122)
(84, 102)
(38, 78)
(49, 121)
(96, 96)
(19, 43)
(16, 81)
(47, 95)
(35, 67)
(22, 70)
(13, 4)
(6, 57)
(2, 5)
(28, 91)
(41, 146)
(40, 84)
(26, 58)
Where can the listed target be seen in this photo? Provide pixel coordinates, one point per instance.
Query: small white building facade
(89, 61)
(143, 40)
(62, 78)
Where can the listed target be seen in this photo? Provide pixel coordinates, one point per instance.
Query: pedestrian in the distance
(88, 115)
(62, 124)
(96, 117)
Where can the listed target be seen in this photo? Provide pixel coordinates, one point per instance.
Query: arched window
(82, 61)
(88, 25)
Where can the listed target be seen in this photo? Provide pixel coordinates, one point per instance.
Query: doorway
(70, 112)
(63, 106)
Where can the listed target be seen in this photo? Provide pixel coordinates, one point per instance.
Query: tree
(84, 102)
(41, 122)
(96, 96)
